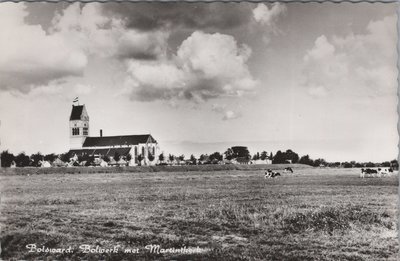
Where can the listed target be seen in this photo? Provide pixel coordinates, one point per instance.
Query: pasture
(312, 214)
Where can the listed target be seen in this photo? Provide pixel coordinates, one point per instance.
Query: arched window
(142, 151)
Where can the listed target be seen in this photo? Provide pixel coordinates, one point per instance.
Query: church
(134, 145)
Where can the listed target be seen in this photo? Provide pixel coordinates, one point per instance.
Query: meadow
(312, 214)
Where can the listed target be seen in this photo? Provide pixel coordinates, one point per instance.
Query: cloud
(268, 17)
(156, 16)
(205, 66)
(226, 114)
(83, 89)
(93, 30)
(218, 107)
(355, 65)
(29, 56)
(230, 115)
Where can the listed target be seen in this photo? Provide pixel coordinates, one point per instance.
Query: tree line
(233, 154)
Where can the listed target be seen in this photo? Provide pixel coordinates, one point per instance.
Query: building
(137, 146)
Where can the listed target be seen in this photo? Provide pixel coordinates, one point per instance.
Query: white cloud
(268, 17)
(83, 89)
(218, 107)
(32, 57)
(29, 56)
(354, 65)
(226, 114)
(230, 115)
(205, 66)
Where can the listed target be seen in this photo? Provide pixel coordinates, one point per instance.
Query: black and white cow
(288, 169)
(271, 174)
(370, 172)
(385, 171)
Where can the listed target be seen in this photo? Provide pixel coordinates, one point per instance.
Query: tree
(22, 160)
(203, 157)
(35, 158)
(241, 151)
(395, 164)
(369, 165)
(216, 156)
(359, 165)
(171, 157)
(6, 159)
(264, 155)
(347, 165)
(193, 159)
(161, 157)
(271, 156)
(128, 157)
(385, 164)
(64, 157)
(321, 162)
(279, 158)
(292, 156)
(50, 157)
(140, 158)
(306, 160)
(229, 155)
(181, 157)
(117, 156)
(89, 160)
(151, 157)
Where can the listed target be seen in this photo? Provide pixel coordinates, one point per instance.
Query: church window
(154, 151)
(86, 131)
(75, 131)
(136, 154)
(142, 151)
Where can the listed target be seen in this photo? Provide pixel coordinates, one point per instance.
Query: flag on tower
(76, 99)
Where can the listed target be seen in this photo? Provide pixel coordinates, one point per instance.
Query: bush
(6, 158)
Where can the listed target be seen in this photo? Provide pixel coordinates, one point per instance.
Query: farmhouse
(81, 143)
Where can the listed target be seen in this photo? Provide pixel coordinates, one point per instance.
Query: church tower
(78, 126)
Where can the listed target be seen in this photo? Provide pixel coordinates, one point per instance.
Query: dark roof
(109, 141)
(105, 152)
(76, 112)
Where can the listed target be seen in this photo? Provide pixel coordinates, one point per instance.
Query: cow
(370, 172)
(288, 169)
(385, 171)
(271, 174)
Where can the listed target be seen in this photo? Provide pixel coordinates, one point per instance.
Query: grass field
(313, 214)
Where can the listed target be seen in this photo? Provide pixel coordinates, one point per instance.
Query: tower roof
(76, 113)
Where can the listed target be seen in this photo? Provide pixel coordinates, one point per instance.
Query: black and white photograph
(199, 131)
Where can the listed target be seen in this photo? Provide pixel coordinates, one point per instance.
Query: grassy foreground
(313, 214)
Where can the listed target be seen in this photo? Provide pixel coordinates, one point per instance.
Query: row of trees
(23, 160)
(280, 157)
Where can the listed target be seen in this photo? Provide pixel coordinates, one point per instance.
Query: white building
(81, 143)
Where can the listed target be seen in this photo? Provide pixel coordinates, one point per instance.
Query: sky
(319, 79)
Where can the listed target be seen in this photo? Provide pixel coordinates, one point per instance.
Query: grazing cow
(385, 171)
(271, 174)
(370, 172)
(288, 169)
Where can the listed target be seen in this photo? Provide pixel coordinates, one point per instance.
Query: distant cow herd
(273, 174)
(368, 172)
(380, 172)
